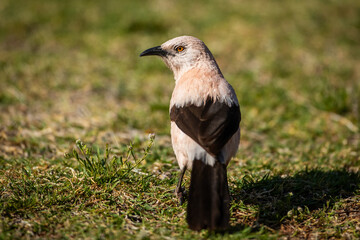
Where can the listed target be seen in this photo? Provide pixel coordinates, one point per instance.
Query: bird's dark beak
(154, 51)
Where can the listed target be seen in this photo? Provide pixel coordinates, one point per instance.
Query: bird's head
(182, 54)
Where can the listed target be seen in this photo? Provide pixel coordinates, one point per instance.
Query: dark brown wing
(210, 125)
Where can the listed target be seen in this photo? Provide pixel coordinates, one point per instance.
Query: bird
(205, 129)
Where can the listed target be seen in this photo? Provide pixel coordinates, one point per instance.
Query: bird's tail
(209, 198)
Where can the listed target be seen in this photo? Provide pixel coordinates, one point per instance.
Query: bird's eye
(179, 49)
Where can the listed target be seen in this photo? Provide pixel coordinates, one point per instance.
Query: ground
(85, 150)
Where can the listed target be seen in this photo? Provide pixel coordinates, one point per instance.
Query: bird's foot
(181, 195)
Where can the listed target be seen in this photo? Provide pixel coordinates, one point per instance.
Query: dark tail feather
(209, 199)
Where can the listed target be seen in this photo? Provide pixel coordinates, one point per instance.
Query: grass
(70, 70)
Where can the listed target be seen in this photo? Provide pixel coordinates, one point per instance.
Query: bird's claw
(180, 194)
(181, 198)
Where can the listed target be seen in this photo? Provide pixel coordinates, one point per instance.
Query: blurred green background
(286, 60)
(70, 70)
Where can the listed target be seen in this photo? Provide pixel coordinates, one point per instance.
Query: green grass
(70, 70)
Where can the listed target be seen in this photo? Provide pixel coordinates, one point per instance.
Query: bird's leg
(179, 191)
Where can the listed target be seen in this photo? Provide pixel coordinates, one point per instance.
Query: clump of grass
(108, 168)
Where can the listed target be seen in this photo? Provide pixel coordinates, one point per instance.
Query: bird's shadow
(275, 197)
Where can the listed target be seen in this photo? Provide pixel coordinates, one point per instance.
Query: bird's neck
(197, 85)
(208, 68)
